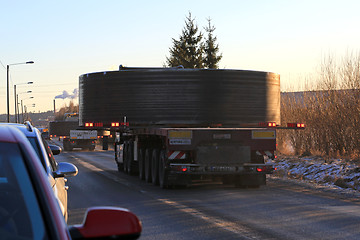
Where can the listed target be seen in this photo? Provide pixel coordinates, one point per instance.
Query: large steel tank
(180, 97)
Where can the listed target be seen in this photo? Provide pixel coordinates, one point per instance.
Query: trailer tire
(163, 174)
(141, 166)
(131, 164)
(120, 165)
(125, 158)
(148, 165)
(255, 158)
(155, 167)
(66, 145)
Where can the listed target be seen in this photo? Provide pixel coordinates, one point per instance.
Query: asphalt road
(279, 210)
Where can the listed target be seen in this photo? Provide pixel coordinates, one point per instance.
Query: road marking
(101, 171)
(223, 224)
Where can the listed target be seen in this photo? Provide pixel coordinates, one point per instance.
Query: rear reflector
(265, 169)
(267, 124)
(296, 125)
(179, 168)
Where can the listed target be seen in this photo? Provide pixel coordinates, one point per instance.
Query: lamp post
(26, 113)
(16, 101)
(17, 118)
(7, 80)
(22, 107)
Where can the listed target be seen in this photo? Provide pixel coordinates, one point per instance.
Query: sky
(68, 38)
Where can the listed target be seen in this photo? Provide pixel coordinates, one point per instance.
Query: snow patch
(336, 173)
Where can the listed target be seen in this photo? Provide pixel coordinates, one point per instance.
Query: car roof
(27, 129)
(11, 134)
(7, 135)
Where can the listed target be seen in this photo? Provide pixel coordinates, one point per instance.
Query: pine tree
(188, 50)
(211, 48)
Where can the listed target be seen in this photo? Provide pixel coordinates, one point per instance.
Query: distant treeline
(72, 108)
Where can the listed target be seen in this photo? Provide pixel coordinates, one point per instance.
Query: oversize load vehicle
(71, 137)
(174, 126)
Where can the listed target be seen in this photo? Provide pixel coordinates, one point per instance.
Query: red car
(29, 209)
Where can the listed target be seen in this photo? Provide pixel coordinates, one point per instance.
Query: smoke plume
(65, 94)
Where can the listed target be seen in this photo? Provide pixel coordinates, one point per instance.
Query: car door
(58, 183)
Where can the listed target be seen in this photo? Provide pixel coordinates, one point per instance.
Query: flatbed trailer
(177, 156)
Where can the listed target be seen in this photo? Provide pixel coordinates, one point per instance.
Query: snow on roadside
(335, 173)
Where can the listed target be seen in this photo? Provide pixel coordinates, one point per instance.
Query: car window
(35, 145)
(20, 214)
(53, 163)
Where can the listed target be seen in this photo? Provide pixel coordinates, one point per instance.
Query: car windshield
(20, 215)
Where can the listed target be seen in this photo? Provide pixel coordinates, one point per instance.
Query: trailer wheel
(131, 164)
(66, 145)
(255, 158)
(141, 164)
(148, 165)
(117, 158)
(125, 158)
(163, 175)
(155, 167)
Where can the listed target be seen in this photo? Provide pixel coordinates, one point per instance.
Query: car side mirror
(107, 222)
(56, 150)
(65, 169)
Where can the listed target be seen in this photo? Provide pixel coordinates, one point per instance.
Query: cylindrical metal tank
(180, 97)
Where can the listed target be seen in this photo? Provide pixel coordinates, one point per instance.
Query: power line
(2, 65)
(50, 85)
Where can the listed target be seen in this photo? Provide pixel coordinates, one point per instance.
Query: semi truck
(175, 126)
(71, 136)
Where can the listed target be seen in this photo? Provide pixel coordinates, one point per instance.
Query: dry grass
(330, 110)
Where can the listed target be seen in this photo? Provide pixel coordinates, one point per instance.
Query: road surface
(279, 210)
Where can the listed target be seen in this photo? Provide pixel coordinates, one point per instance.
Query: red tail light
(267, 124)
(179, 168)
(296, 125)
(266, 169)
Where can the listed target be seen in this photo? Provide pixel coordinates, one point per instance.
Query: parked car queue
(29, 208)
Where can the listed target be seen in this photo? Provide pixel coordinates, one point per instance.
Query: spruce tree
(211, 48)
(188, 50)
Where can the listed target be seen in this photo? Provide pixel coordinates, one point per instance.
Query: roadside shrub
(340, 182)
(330, 110)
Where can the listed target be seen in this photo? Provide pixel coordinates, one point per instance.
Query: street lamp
(16, 101)
(17, 117)
(26, 113)
(7, 80)
(22, 107)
